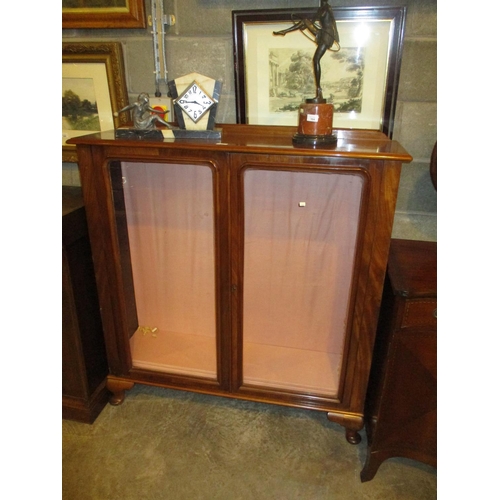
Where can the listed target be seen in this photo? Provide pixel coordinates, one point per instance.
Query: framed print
(93, 88)
(103, 14)
(274, 74)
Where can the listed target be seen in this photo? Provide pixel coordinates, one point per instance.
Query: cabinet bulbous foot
(117, 388)
(352, 436)
(352, 424)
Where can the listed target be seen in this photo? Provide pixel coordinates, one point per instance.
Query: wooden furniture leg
(352, 424)
(118, 387)
(373, 462)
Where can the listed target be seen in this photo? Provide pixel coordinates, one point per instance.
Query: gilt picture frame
(93, 89)
(273, 74)
(103, 14)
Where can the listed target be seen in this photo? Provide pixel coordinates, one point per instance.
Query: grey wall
(205, 25)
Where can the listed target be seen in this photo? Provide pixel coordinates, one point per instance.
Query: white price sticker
(313, 118)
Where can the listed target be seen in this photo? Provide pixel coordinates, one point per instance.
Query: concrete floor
(164, 444)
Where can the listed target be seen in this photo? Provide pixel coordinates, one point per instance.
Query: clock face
(195, 102)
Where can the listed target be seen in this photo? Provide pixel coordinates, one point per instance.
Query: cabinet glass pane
(170, 222)
(300, 238)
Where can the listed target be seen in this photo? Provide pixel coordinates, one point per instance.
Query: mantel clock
(195, 98)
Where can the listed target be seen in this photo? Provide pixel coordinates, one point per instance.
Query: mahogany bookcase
(245, 267)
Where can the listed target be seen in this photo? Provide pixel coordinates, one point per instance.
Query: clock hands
(194, 95)
(183, 101)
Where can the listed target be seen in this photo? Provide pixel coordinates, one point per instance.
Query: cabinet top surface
(269, 140)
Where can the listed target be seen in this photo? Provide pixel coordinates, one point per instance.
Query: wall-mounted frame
(361, 80)
(93, 88)
(103, 14)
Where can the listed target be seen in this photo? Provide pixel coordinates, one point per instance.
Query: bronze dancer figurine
(325, 36)
(143, 115)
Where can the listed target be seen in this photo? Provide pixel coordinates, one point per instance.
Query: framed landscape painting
(274, 74)
(93, 89)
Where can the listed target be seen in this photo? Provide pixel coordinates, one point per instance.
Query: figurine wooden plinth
(315, 125)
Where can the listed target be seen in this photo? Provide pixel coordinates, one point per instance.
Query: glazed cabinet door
(300, 231)
(166, 227)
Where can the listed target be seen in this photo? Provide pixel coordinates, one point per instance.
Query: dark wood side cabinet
(401, 409)
(84, 364)
(245, 267)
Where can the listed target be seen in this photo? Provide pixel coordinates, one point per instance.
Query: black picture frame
(243, 19)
